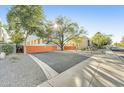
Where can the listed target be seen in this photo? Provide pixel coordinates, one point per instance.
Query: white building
(4, 37)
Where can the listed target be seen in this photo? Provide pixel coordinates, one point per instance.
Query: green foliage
(100, 40)
(121, 43)
(78, 39)
(117, 44)
(8, 49)
(64, 31)
(17, 37)
(0, 23)
(84, 49)
(6, 27)
(45, 31)
(25, 18)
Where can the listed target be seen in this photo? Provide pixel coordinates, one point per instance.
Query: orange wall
(68, 47)
(36, 49)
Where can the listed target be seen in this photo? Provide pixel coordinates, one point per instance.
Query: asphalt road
(117, 49)
(60, 61)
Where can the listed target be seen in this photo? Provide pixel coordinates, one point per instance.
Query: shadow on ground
(104, 74)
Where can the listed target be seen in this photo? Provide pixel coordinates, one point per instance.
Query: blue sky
(106, 19)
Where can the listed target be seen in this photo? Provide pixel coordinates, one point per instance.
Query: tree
(65, 30)
(121, 43)
(62, 31)
(100, 40)
(45, 31)
(122, 40)
(108, 39)
(17, 37)
(77, 40)
(25, 18)
(6, 27)
(0, 24)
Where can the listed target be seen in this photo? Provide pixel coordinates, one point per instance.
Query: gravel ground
(20, 71)
(60, 61)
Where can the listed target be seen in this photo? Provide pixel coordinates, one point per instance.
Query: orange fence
(36, 49)
(69, 47)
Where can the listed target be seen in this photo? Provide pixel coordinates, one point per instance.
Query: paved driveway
(60, 61)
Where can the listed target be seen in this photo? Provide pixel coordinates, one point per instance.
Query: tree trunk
(62, 47)
(25, 47)
(62, 42)
(16, 48)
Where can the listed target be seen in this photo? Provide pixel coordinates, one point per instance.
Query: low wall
(69, 47)
(38, 49)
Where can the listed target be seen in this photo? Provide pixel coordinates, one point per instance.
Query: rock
(2, 55)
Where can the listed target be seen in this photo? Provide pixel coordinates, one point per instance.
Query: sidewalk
(97, 71)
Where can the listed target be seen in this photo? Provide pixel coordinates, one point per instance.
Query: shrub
(84, 49)
(8, 49)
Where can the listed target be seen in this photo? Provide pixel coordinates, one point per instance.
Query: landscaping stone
(20, 71)
(2, 55)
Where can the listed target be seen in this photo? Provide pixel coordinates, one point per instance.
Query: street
(60, 61)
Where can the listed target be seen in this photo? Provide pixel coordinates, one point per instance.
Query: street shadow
(103, 76)
(109, 77)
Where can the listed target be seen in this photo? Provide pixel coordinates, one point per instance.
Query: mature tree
(100, 39)
(17, 37)
(108, 40)
(45, 31)
(65, 30)
(62, 31)
(25, 18)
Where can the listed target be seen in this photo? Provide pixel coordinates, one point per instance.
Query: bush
(8, 49)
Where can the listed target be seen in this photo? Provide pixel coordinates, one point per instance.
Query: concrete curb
(49, 72)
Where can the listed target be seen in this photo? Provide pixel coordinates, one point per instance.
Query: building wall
(34, 42)
(4, 37)
(84, 43)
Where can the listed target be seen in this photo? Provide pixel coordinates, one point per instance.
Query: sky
(105, 19)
